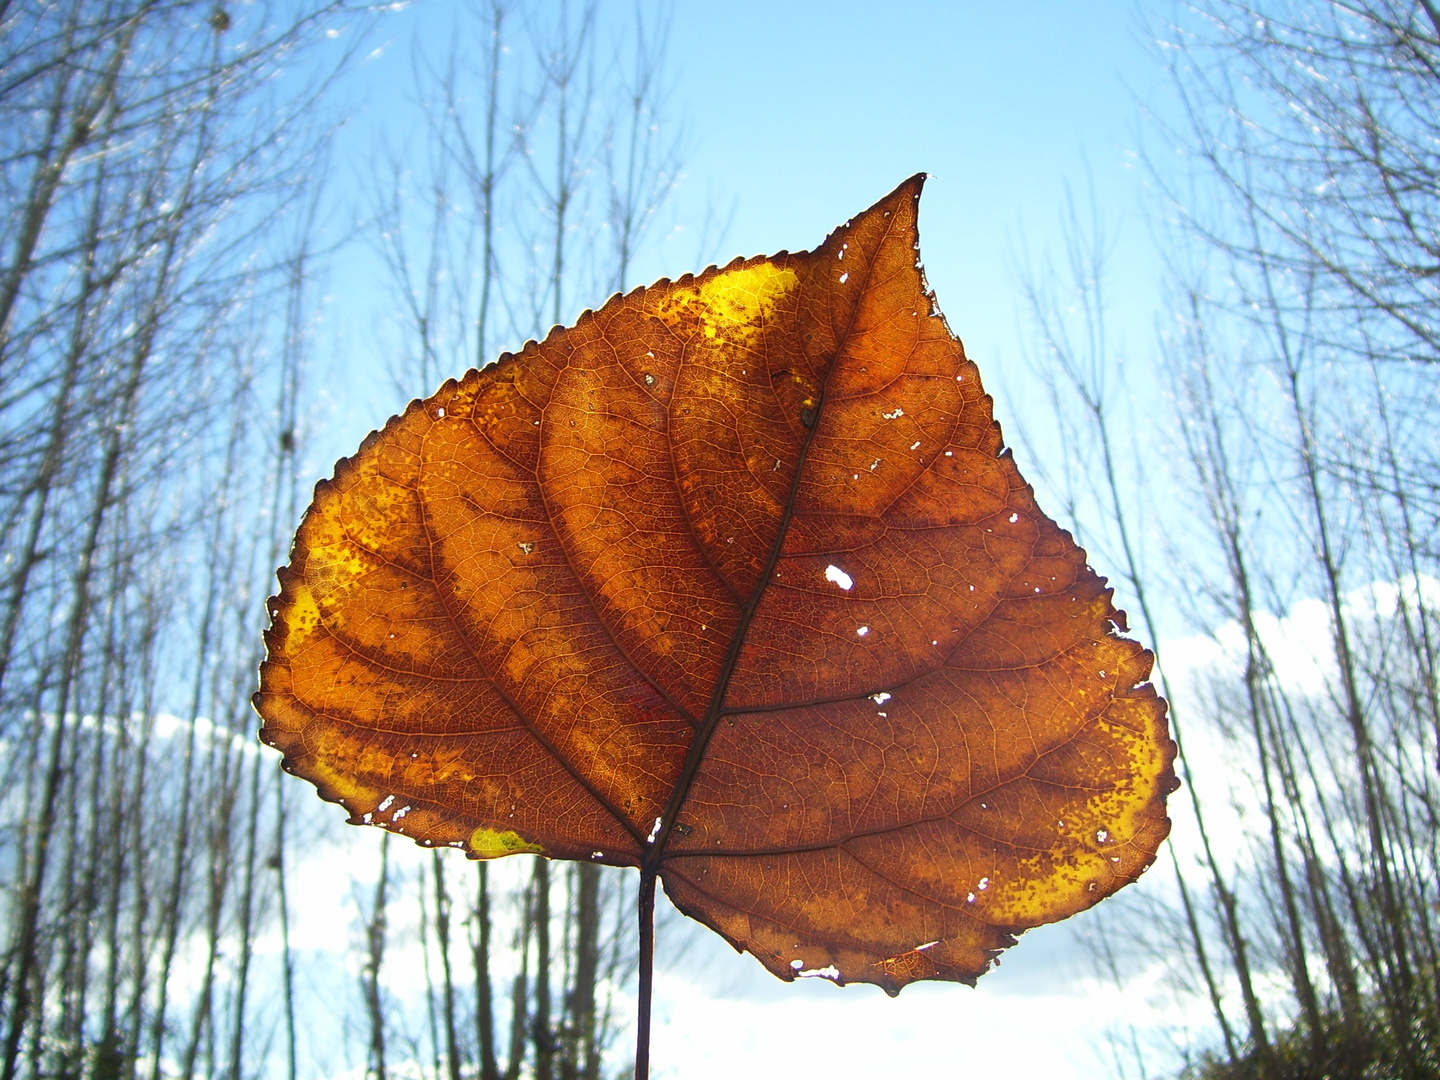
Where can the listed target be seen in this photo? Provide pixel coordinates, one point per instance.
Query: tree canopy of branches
(167, 203)
(150, 225)
(1299, 351)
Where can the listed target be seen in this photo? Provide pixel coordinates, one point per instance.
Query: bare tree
(1299, 495)
(165, 227)
(140, 189)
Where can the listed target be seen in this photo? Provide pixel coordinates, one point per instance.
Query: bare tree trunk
(587, 964)
(520, 1017)
(375, 957)
(246, 918)
(542, 1032)
(454, 1060)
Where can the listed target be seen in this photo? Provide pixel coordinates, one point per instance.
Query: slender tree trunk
(541, 1030)
(484, 988)
(488, 180)
(246, 925)
(587, 964)
(454, 1060)
(520, 1018)
(287, 956)
(375, 933)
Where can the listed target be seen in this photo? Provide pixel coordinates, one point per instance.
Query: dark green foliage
(1371, 1051)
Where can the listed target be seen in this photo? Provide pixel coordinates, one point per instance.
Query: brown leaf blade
(733, 580)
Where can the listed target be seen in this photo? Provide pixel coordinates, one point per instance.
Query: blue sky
(806, 112)
(798, 114)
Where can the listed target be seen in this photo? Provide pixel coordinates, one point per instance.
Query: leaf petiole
(647, 969)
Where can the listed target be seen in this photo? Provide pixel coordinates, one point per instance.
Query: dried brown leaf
(742, 555)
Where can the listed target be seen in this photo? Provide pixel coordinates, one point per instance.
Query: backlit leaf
(735, 580)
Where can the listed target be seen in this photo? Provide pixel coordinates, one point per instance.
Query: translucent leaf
(735, 581)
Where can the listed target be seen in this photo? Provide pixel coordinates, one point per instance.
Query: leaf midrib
(716, 709)
(655, 856)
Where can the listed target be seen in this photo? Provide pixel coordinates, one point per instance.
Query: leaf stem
(647, 969)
